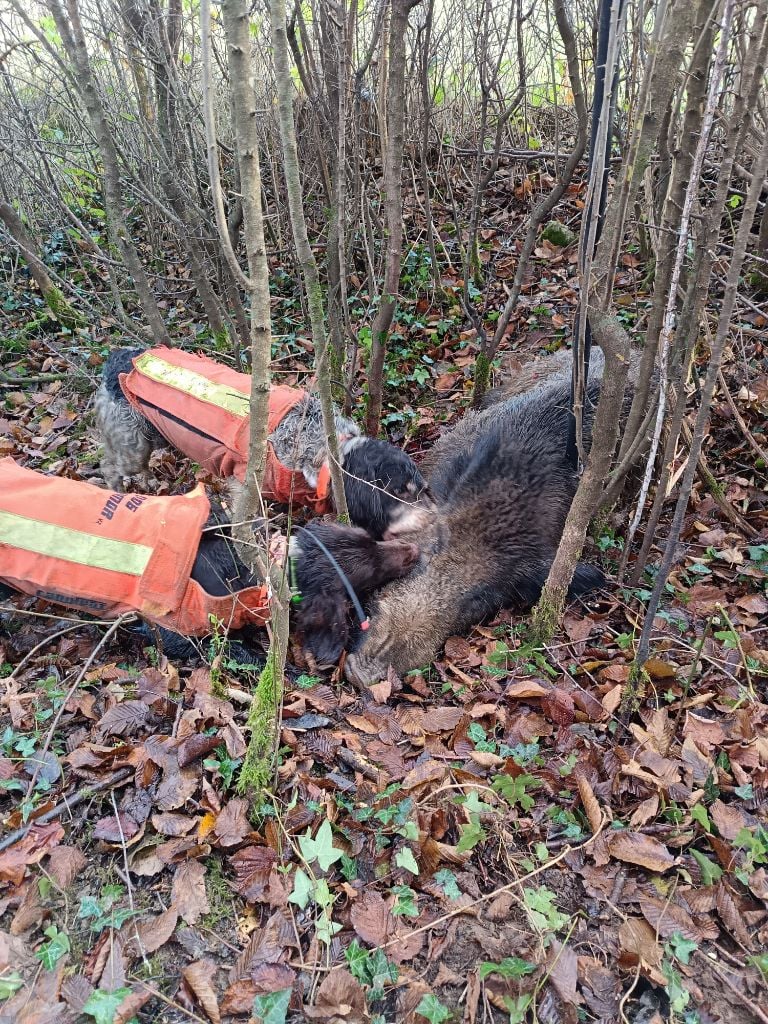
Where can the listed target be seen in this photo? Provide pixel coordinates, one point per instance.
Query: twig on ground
(752, 1007)
(708, 479)
(750, 437)
(40, 755)
(121, 775)
(127, 879)
(44, 642)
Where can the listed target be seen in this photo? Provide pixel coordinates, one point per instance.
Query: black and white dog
(384, 489)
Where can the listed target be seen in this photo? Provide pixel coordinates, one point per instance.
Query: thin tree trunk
(265, 716)
(682, 223)
(543, 208)
(393, 168)
(53, 296)
(236, 27)
(750, 80)
(670, 39)
(702, 418)
(71, 31)
(672, 209)
(304, 249)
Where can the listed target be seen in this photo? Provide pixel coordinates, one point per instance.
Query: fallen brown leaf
(525, 688)
(371, 918)
(199, 977)
(636, 848)
(148, 935)
(64, 864)
(339, 998)
(589, 803)
(116, 829)
(252, 868)
(188, 891)
(30, 850)
(666, 918)
(563, 972)
(232, 824)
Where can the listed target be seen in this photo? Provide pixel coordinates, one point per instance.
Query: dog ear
(322, 626)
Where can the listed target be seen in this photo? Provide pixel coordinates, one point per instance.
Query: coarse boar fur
(503, 488)
(382, 484)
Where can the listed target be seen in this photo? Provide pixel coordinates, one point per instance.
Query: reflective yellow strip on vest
(69, 545)
(223, 396)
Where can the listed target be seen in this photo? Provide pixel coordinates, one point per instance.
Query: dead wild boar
(503, 488)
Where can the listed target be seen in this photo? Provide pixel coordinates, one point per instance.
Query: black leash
(364, 623)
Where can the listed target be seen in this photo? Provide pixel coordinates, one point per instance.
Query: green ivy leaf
(710, 872)
(513, 790)
(404, 858)
(699, 814)
(405, 904)
(51, 952)
(509, 967)
(542, 910)
(681, 948)
(410, 831)
(302, 889)
(102, 1006)
(431, 1008)
(357, 959)
(471, 834)
(447, 881)
(272, 1008)
(89, 907)
(320, 848)
(9, 984)
(517, 1008)
(325, 929)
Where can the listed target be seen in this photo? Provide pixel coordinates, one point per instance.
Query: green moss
(546, 615)
(482, 377)
(222, 342)
(759, 281)
(633, 692)
(219, 893)
(558, 233)
(62, 310)
(262, 724)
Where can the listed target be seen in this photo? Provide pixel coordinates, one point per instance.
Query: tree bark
(304, 249)
(264, 720)
(73, 38)
(53, 296)
(696, 93)
(545, 205)
(236, 27)
(393, 168)
(702, 418)
(670, 39)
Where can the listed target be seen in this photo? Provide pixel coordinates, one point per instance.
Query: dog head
(386, 493)
(321, 617)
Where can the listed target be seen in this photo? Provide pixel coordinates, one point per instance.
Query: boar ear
(322, 627)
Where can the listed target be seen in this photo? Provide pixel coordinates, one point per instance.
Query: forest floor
(486, 841)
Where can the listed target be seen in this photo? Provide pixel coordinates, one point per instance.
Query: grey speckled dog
(383, 486)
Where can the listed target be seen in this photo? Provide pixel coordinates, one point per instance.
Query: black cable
(342, 576)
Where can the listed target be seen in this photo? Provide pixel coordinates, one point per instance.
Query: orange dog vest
(75, 544)
(202, 408)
